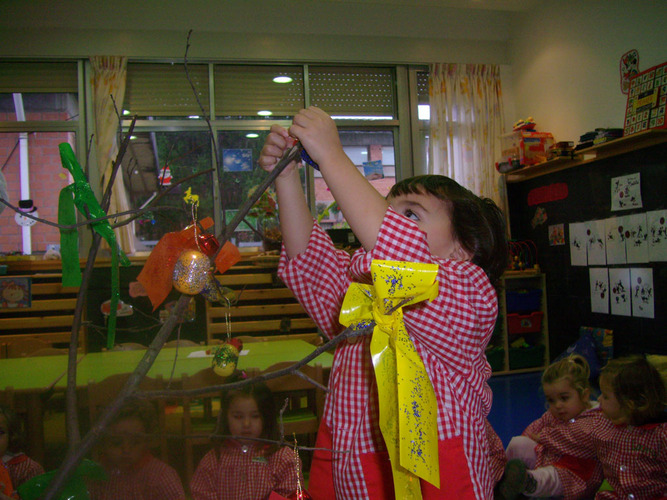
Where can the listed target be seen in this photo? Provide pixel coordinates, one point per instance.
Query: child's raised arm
(296, 221)
(362, 205)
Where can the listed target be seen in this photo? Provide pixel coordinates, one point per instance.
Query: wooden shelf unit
(599, 152)
(513, 281)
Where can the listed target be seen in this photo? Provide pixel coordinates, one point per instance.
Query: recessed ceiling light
(194, 117)
(252, 135)
(282, 79)
(265, 113)
(126, 112)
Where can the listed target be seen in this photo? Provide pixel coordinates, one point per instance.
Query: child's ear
(460, 253)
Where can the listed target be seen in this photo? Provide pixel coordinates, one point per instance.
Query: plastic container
(524, 323)
(526, 357)
(495, 356)
(523, 300)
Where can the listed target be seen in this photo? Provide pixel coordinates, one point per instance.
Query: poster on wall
(626, 192)
(595, 243)
(636, 239)
(578, 244)
(619, 293)
(15, 293)
(614, 240)
(642, 292)
(656, 222)
(599, 280)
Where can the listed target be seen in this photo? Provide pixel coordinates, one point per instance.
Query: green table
(31, 379)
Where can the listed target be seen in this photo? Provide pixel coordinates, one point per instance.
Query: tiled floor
(517, 401)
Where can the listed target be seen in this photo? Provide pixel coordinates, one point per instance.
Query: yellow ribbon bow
(408, 407)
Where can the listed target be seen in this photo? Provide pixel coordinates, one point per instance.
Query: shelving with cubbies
(520, 342)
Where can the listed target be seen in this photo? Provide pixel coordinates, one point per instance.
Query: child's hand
(277, 142)
(318, 134)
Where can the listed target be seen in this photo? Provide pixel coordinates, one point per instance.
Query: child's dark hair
(14, 429)
(479, 225)
(638, 387)
(140, 409)
(574, 368)
(265, 404)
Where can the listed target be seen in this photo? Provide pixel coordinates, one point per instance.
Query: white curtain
(466, 122)
(109, 76)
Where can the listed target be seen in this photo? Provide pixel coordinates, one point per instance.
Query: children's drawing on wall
(619, 296)
(557, 234)
(595, 241)
(636, 238)
(15, 293)
(642, 292)
(578, 244)
(615, 240)
(599, 279)
(539, 218)
(656, 222)
(626, 192)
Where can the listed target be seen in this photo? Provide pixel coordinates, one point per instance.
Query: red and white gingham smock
(569, 447)
(229, 473)
(21, 468)
(450, 335)
(634, 460)
(150, 479)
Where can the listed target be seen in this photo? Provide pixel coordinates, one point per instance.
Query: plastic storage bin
(495, 356)
(526, 357)
(522, 300)
(524, 323)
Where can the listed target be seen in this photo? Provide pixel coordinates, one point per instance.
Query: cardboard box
(528, 146)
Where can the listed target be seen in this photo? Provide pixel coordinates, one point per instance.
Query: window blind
(38, 77)
(154, 89)
(242, 91)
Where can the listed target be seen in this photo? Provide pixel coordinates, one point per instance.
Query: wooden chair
(23, 347)
(305, 400)
(101, 394)
(197, 425)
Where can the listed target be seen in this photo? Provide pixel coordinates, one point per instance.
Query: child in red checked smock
(245, 466)
(555, 457)
(133, 472)
(631, 445)
(426, 219)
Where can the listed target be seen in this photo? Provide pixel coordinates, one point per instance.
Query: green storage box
(526, 357)
(496, 358)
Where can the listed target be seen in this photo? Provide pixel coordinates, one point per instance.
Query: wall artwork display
(620, 294)
(599, 278)
(636, 242)
(578, 247)
(626, 192)
(595, 243)
(15, 293)
(614, 240)
(656, 222)
(642, 292)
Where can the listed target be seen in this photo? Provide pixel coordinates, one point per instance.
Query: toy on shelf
(527, 124)
(522, 147)
(523, 256)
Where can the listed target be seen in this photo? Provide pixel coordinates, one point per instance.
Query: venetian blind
(242, 91)
(164, 90)
(38, 77)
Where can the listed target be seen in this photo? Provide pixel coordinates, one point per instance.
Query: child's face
(609, 404)
(4, 435)
(244, 418)
(126, 443)
(564, 400)
(431, 216)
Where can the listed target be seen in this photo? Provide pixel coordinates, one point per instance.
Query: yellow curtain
(108, 83)
(466, 122)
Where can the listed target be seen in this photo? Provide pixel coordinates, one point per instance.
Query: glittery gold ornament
(225, 357)
(190, 272)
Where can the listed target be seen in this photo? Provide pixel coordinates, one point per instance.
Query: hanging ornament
(214, 292)
(165, 176)
(26, 207)
(190, 272)
(122, 309)
(226, 356)
(207, 244)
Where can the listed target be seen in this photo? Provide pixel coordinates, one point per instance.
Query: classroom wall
(565, 58)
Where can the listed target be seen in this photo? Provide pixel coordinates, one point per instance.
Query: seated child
(554, 456)
(242, 466)
(497, 456)
(631, 443)
(17, 465)
(134, 473)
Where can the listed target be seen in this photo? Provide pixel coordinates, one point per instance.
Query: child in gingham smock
(427, 219)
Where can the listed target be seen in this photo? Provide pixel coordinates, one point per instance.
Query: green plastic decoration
(75, 488)
(80, 194)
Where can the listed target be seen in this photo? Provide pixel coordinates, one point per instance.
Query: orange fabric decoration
(156, 276)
